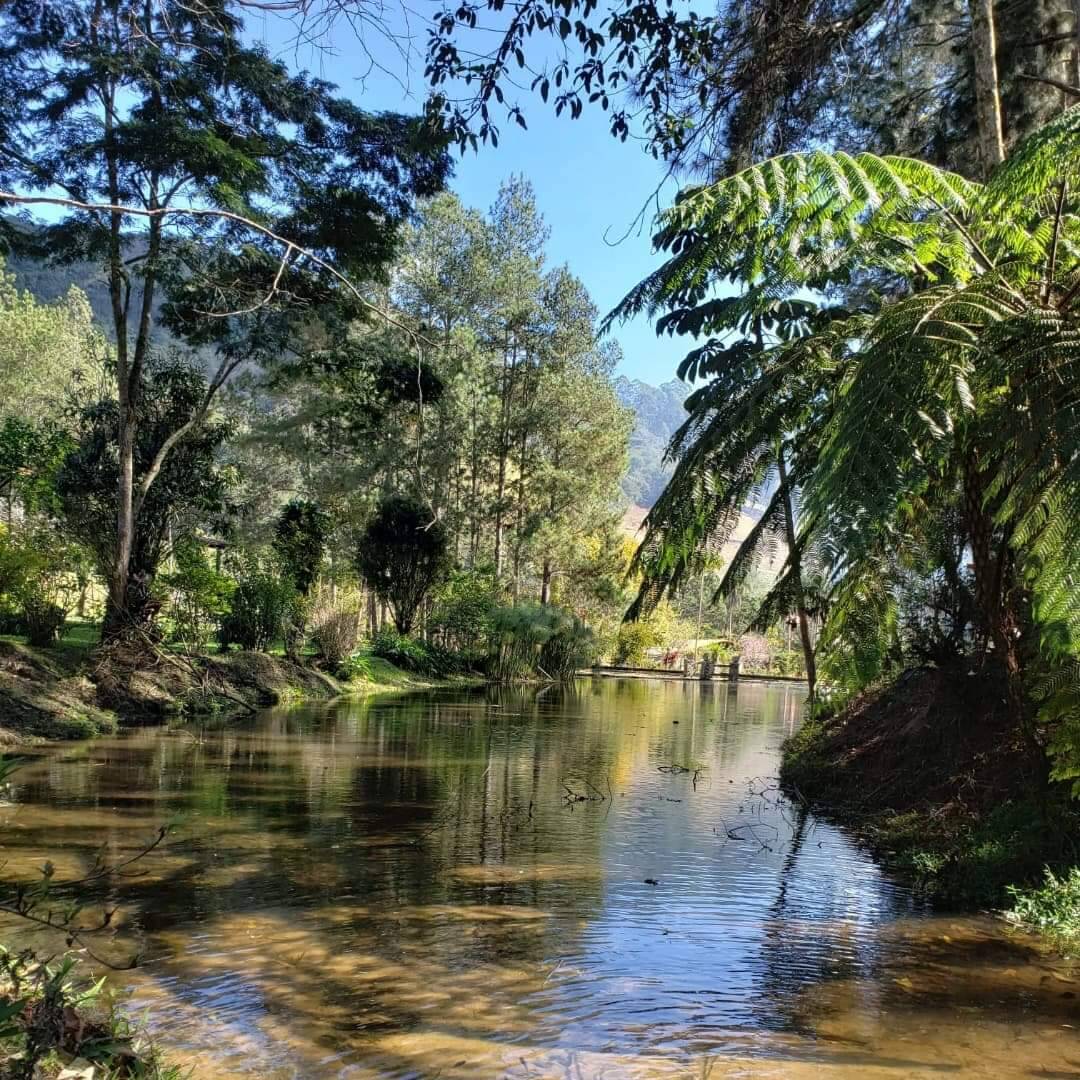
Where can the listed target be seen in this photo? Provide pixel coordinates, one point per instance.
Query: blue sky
(588, 185)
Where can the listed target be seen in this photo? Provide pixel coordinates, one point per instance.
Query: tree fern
(953, 389)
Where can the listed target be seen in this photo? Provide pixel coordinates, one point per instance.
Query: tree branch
(1058, 84)
(301, 253)
(156, 214)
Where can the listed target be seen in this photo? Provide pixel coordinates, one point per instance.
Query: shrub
(356, 666)
(334, 635)
(419, 657)
(464, 608)
(295, 630)
(536, 639)
(261, 603)
(44, 621)
(718, 653)
(633, 642)
(197, 595)
(571, 647)
(789, 662)
(1053, 908)
(36, 578)
(12, 619)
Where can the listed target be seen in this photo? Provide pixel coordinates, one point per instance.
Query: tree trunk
(995, 598)
(504, 451)
(796, 569)
(117, 616)
(372, 614)
(987, 90)
(523, 450)
(545, 583)
(474, 488)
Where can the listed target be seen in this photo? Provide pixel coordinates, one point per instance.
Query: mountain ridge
(658, 413)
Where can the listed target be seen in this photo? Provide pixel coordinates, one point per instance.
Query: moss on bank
(66, 693)
(929, 773)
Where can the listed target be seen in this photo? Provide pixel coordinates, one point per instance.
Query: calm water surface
(401, 888)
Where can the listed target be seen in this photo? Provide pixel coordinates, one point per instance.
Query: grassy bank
(928, 773)
(70, 692)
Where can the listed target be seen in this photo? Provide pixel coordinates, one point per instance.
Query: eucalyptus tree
(955, 389)
(217, 189)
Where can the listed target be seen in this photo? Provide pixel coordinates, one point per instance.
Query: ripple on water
(400, 888)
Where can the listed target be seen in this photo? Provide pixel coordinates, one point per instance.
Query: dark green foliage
(747, 79)
(411, 654)
(300, 537)
(44, 621)
(190, 489)
(30, 455)
(402, 555)
(210, 120)
(261, 606)
(400, 379)
(198, 596)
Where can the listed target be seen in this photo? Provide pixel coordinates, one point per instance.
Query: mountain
(658, 411)
(47, 281)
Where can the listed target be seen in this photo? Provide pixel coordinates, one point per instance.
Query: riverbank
(70, 693)
(931, 776)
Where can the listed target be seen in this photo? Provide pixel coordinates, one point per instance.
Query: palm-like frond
(808, 221)
(959, 380)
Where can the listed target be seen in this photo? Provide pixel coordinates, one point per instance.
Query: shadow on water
(401, 887)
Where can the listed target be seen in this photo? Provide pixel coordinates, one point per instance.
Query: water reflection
(399, 887)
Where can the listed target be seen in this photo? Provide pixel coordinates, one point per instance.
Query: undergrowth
(1052, 908)
(940, 798)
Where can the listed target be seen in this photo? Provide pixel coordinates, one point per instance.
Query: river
(595, 881)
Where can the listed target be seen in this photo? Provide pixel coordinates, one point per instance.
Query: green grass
(73, 647)
(1052, 909)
